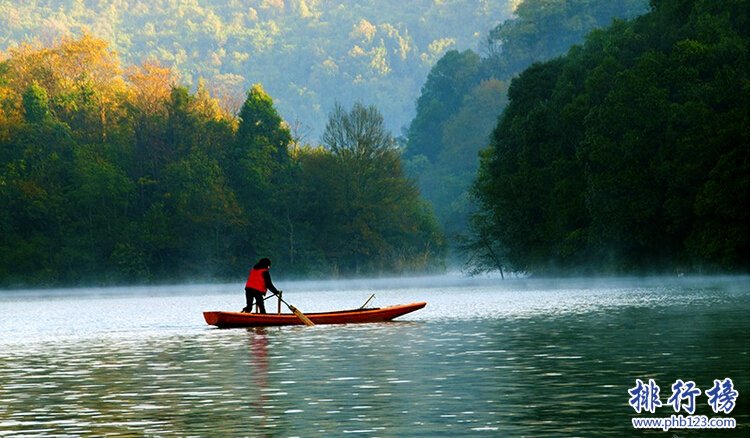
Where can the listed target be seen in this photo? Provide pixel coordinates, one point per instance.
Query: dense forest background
(308, 54)
(112, 176)
(629, 154)
(605, 146)
(466, 91)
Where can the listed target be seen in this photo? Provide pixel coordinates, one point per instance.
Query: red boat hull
(356, 316)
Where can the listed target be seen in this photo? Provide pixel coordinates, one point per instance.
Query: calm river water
(484, 358)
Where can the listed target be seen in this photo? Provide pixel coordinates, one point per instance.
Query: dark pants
(251, 294)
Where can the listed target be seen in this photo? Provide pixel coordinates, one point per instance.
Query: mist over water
(485, 357)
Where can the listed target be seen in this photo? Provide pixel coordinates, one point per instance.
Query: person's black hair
(264, 263)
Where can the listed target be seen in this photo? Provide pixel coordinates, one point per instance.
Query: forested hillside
(465, 92)
(114, 175)
(308, 54)
(120, 162)
(630, 154)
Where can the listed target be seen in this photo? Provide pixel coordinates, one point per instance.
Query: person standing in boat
(259, 282)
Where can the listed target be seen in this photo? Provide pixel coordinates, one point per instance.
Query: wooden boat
(355, 316)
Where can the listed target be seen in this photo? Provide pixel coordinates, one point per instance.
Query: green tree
(376, 209)
(528, 177)
(448, 82)
(446, 182)
(151, 182)
(543, 29)
(36, 104)
(102, 195)
(260, 172)
(465, 93)
(35, 173)
(205, 215)
(616, 158)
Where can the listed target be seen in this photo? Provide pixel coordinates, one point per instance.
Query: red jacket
(256, 280)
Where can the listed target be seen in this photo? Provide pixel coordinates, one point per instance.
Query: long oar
(366, 303)
(297, 312)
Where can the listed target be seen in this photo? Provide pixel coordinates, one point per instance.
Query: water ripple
(480, 362)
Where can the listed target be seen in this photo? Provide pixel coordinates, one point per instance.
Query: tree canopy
(629, 154)
(111, 175)
(308, 54)
(465, 93)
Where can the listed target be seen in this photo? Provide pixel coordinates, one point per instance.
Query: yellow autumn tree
(151, 84)
(206, 105)
(78, 74)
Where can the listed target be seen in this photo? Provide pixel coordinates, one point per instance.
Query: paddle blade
(302, 317)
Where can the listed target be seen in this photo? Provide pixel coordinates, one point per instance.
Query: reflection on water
(500, 359)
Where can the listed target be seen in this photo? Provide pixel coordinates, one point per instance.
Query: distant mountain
(308, 54)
